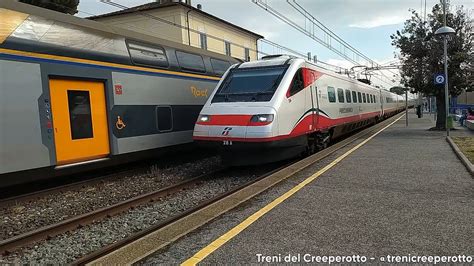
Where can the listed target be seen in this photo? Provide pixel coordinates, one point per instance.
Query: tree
(398, 90)
(64, 6)
(421, 54)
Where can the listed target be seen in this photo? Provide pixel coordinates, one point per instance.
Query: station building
(181, 22)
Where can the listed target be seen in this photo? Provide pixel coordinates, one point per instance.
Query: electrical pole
(446, 87)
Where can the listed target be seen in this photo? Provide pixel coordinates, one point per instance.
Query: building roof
(156, 5)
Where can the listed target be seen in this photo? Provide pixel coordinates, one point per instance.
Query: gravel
(67, 247)
(55, 207)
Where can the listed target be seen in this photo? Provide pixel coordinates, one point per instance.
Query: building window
(247, 54)
(203, 38)
(227, 48)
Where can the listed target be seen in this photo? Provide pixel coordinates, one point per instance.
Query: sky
(364, 24)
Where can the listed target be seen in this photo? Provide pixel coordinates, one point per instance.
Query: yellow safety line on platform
(203, 253)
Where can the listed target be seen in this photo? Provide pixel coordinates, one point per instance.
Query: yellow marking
(203, 253)
(9, 22)
(198, 93)
(93, 62)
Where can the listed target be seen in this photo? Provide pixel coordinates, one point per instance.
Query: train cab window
(359, 96)
(348, 96)
(364, 98)
(340, 95)
(219, 66)
(147, 55)
(354, 96)
(192, 62)
(80, 116)
(297, 84)
(164, 118)
(331, 95)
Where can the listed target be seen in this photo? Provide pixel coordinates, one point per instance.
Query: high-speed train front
(241, 116)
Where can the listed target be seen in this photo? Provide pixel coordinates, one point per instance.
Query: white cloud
(378, 21)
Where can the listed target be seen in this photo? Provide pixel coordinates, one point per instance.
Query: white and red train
(281, 106)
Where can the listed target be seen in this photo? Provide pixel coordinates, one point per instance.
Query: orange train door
(80, 120)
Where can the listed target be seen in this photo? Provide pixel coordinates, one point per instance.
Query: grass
(466, 145)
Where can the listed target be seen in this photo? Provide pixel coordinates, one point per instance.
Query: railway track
(269, 179)
(49, 231)
(31, 191)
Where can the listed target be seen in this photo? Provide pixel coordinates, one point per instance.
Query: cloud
(378, 21)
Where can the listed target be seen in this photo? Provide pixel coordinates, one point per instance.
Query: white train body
(287, 103)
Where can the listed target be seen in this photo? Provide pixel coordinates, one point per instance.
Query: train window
(297, 83)
(375, 99)
(80, 116)
(192, 62)
(370, 98)
(256, 84)
(340, 95)
(364, 98)
(359, 96)
(164, 118)
(354, 96)
(147, 55)
(219, 66)
(331, 95)
(348, 96)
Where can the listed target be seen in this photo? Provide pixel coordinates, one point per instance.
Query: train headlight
(261, 120)
(204, 118)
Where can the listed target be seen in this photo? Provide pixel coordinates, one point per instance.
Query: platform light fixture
(445, 32)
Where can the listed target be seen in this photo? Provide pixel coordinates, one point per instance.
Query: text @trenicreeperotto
(313, 258)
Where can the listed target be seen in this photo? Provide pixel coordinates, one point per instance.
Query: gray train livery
(77, 94)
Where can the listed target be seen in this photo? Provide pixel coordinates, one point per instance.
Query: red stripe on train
(302, 128)
(227, 120)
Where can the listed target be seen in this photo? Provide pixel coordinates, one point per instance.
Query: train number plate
(227, 142)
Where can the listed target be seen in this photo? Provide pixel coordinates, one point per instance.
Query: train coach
(77, 94)
(281, 106)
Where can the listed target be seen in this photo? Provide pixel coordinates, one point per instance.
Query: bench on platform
(469, 124)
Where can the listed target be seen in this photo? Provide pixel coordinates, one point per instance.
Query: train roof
(6, 28)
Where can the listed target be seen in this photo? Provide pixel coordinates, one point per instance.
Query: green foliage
(398, 90)
(64, 6)
(421, 54)
(421, 51)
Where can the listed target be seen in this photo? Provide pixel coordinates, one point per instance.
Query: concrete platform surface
(403, 193)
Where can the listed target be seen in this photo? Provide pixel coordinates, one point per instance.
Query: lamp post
(445, 31)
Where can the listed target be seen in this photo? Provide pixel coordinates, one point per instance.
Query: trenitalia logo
(226, 131)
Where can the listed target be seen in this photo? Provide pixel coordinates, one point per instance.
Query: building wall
(218, 32)
(466, 98)
(197, 22)
(148, 25)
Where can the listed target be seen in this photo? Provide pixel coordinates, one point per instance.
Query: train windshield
(250, 84)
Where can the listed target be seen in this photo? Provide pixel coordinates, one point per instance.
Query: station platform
(402, 193)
